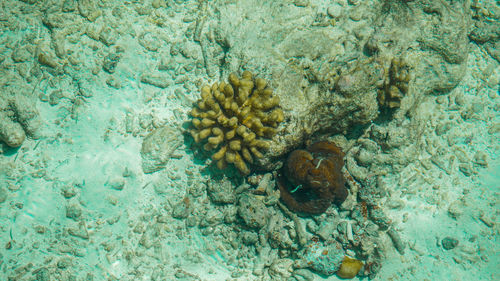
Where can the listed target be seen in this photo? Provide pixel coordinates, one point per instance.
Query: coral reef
(156, 51)
(236, 118)
(395, 84)
(329, 75)
(313, 178)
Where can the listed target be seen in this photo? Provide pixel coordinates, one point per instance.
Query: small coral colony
(237, 120)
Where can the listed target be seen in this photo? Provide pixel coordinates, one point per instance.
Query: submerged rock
(18, 118)
(253, 211)
(324, 258)
(157, 148)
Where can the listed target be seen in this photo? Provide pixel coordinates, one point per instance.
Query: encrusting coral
(313, 178)
(236, 120)
(395, 84)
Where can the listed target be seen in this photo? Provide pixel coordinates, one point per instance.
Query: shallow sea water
(86, 84)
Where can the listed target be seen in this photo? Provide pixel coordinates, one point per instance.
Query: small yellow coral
(236, 120)
(349, 268)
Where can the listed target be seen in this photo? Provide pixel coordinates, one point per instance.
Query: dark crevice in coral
(356, 131)
(385, 116)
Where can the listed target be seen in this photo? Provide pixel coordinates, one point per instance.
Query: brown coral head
(313, 178)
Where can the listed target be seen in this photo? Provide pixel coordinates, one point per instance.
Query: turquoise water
(101, 177)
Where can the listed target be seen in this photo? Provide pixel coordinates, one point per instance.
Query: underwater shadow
(200, 157)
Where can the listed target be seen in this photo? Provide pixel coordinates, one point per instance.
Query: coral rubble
(313, 178)
(18, 118)
(323, 258)
(157, 148)
(11, 132)
(234, 120)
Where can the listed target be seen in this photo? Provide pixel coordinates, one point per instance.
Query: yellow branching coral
(395, 84)
(236, 120)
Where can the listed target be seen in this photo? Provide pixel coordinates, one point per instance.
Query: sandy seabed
(86, 82)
